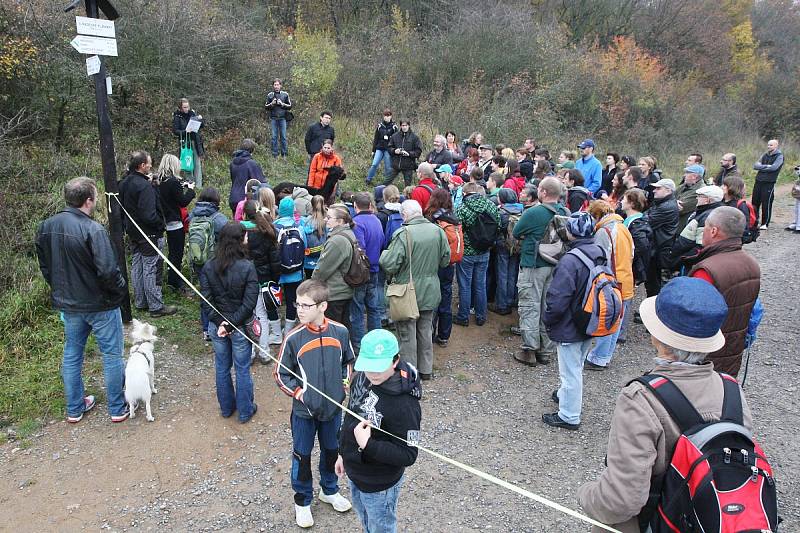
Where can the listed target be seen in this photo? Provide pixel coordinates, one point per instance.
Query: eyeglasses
(305, 307)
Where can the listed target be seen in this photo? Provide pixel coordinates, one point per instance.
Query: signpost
(96, 37)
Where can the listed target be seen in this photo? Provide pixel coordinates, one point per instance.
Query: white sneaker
(763, 227)
(302, 515)
(338, 501)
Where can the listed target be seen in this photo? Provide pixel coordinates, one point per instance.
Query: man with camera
(278, 106)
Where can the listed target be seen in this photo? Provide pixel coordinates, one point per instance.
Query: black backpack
(483, 231)
(719, 478)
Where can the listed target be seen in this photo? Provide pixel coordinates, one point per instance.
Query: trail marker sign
(100, 46)
(96, 27)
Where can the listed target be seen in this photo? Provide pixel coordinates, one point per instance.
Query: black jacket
(179, 122)
(140, 198)
(275, 110)
(315, 134)
(441, 158)
(234, 293)
(394, 407)
(264, 253)
(174, 196)
(526, 169)
(663, 219)
(409, 142)
(642, 235)
(383, 133)
(78, 262)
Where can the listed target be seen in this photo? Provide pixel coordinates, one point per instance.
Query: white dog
(139, 383)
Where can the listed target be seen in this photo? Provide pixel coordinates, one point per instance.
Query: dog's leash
(472, 470)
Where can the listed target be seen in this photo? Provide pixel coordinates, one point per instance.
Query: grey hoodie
(302, 201)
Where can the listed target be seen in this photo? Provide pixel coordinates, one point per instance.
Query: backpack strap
(732, 400)
(577, 252)
(679, 408)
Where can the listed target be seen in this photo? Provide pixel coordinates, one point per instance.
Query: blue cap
(586, 143)
(580, 225)
(695, 169)
(687, 314)
(444, 168)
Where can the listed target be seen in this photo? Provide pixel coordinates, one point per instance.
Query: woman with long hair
(316, 233)
(471, 158)
(634, 204)
(229, 282)
(440, 212)
(175, 196)
(266, 201)
(262, 245)
(321, 165)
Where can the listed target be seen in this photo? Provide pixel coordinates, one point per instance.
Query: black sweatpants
(175, 243)
(408, 177)
(763, 195)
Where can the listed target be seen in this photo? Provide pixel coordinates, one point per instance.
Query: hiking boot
(499, 311)
(459, 322)
(338, 501)
(480, 321)
(164, 311)
(426, 377)
(441, 342)
(552, 419)
(88, 404)
(516, 330)
(302, 515)
(526, 357)
(123, 417)
(637, 318)
(543, 358)
(588, 365)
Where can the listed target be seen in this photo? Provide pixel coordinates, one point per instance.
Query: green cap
(378, 348)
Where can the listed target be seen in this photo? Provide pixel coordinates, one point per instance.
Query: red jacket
(422, 192)
(515, 182)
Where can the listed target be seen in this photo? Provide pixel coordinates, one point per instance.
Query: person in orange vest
(321, 165)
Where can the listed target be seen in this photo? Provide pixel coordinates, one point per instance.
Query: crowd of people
(506, 228)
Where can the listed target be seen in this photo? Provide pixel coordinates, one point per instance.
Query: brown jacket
(737, 277)
(640, 442)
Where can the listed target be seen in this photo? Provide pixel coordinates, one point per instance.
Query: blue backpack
(292, 249)
(393, 223)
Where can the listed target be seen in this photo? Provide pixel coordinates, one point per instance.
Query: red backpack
(718, 478)
(751, 230)
(455, 237)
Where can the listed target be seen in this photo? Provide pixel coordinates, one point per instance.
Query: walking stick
(746, 364)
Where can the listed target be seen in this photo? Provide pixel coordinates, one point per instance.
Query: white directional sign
(95, 45)
(98, 27)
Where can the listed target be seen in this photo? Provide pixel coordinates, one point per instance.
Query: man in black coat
(278, 105)
(78, 262)
(140, 199)
(405, 148)
(180, 119)
(318, 132)
(663, 217)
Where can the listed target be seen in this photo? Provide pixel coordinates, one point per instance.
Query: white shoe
(302, 515)
(338, 501)
(763, 227)
(288, 326)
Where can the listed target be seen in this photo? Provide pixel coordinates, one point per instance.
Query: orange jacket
(320, 165)
(611, 234)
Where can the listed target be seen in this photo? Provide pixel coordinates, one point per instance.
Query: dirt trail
(191, 470)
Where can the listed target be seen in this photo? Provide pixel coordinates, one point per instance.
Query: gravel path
(191, 470)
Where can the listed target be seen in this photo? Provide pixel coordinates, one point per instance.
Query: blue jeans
(278, 128)
(571, 356)
(107, 328)
(604, 349)
(366, 300)
(377, 510)
(376, 161)
(303, 432)
(443, 318)
(507, 271)
(233, 350)
(471, 273)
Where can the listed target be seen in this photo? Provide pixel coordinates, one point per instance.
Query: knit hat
(507, 196)
(457, 181)
(378, 348)
(580, 225)
(286, 207)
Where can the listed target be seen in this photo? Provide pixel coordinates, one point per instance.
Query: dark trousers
(443, 316)
(339, 311)
(290, 297)
(175, 241)
(653, 283)
(408, 176)
(763, 195)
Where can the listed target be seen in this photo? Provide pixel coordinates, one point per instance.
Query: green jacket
(429, 252)
(687, 195)
(472, 206)
(334, 262)
(530, 230)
